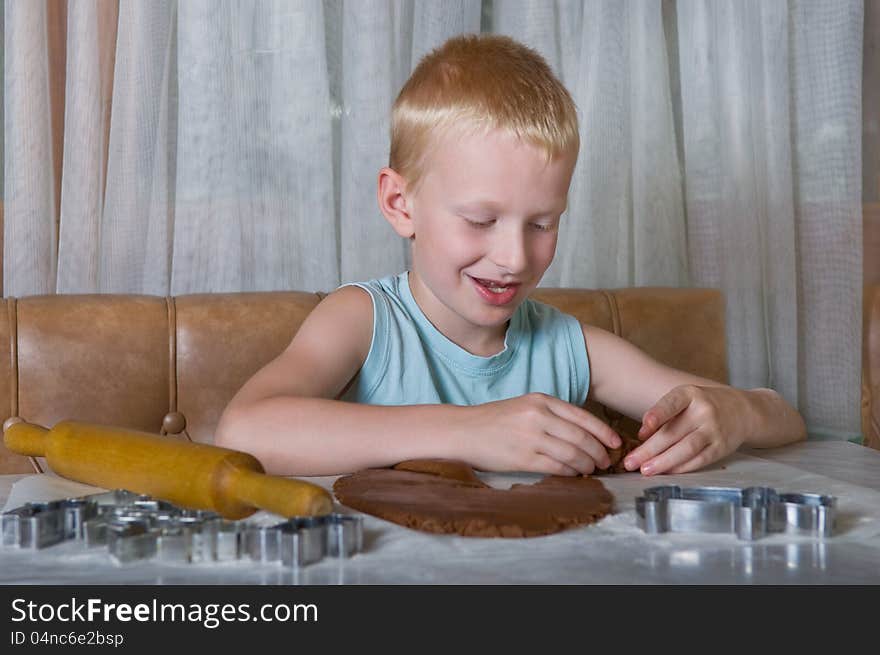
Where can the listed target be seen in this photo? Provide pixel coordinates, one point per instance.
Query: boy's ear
(393, 202)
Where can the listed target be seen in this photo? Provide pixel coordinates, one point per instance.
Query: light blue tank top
(412, 363)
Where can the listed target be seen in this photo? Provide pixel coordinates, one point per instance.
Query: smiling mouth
(493, 286)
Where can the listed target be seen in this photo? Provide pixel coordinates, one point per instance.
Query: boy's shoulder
(338, 328)
(388, 285)
(389, 296)
(351, 304)
(359, 304)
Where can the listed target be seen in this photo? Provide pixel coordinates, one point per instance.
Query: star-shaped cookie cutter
(750, 513)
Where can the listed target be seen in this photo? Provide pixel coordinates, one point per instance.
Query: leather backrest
(171, 365)
(222, 340)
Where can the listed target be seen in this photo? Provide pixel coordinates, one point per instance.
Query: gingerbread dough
(448, 497)
(617, 454)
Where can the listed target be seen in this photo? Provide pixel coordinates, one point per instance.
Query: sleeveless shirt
(411, 362)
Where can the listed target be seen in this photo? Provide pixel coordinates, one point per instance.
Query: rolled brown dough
(447, 497)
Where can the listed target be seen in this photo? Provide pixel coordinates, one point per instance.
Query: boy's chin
(493, 317)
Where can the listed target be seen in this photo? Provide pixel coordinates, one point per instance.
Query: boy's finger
(665, 409)
(583, 419)
(566, 438)
(550, 466)
(686, 454)
(565, 453)
(702, 459)
(669, 434)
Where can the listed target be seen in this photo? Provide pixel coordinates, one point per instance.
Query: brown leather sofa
(170, 365)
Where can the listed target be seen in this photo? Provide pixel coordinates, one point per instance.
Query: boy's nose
(509, 251)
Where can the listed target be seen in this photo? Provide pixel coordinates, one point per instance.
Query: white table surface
(613, 551)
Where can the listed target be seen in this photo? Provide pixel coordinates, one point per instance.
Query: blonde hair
(478, 83)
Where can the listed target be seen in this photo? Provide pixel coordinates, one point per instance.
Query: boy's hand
(689, 428)
(537, 433)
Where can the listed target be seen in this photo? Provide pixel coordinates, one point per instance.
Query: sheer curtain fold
(827, 125)
(89, 91)
(222, 145)
(30, 224)
(369, 80)
(255, 195)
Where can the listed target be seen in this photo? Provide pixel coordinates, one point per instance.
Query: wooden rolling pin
(199, 476)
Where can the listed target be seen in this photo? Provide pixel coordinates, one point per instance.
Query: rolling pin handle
(283, 496)
(12, 420)
(25, 438)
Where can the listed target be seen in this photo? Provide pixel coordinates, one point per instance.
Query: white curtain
(29, 225)
(771, 96)
(234, 146)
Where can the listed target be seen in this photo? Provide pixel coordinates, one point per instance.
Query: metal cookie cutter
(130, 539)
(188, 538)
(34, 525)
(76, 512)
(10, 525)
(97, 530)
(114, 498)
(303, 540)
(230, 537)
(750, 513)
(345, 535)
(263, 543)
(137, 527)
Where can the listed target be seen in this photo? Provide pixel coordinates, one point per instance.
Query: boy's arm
(688, 422)
(287, 416)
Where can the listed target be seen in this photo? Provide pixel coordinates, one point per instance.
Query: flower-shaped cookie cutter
(750, 513)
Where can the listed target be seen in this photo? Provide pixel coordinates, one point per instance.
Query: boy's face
(485, 221)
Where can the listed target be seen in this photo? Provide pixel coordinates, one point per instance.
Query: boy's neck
(477, 340)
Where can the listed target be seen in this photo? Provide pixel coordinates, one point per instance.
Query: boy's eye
(480, 224)
(544, 227)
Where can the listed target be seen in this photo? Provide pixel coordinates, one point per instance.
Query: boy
(451, 359)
